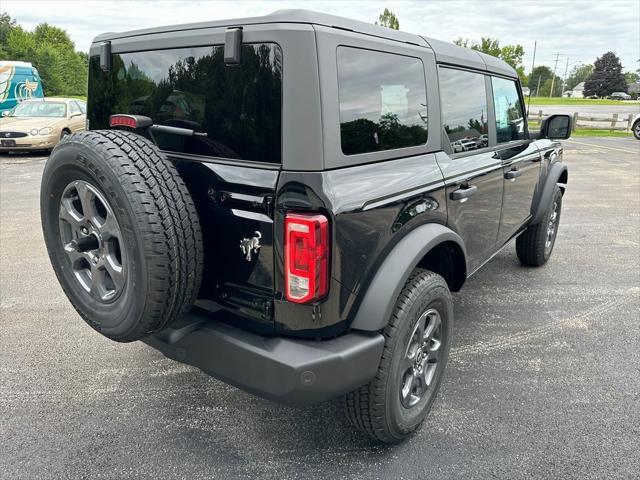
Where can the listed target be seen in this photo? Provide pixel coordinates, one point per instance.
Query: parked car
(636, 127)
(468, 144)
(39, 124)
(301, 246)
(620, 96)
(19, 81)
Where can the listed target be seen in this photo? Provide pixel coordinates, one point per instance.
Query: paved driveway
(544, 379)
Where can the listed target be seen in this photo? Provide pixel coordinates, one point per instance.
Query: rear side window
(509, 112)
(237, 109)
(383, 101)
(464, 109)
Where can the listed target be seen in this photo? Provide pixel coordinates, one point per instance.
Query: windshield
(40, 109)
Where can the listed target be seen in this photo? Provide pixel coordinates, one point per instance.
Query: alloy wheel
(92, 240)
(421, 358)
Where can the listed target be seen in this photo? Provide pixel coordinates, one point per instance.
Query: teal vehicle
(19, 81)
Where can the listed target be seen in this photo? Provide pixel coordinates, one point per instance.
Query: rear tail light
(306, 257)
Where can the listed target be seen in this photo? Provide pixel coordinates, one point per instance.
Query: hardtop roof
(445, 52)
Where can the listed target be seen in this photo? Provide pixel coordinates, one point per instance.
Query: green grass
(579, 101)
(590, 132)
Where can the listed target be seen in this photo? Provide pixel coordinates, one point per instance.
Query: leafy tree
(607, 77)
(388, 19)
(545, 75)
(578, 74)
(632, 77)
(512, 54)
(6, 25)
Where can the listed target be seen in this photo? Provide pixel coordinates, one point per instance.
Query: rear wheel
(122, 233)
(397, 400)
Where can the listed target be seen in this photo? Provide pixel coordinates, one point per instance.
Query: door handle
(463, 193)
(512, 174)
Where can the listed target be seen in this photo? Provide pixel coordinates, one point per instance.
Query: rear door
(473, 177)
(519, 155)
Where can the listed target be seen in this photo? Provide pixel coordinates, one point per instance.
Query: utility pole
(533, 66)
(553, 79)
(564, 78)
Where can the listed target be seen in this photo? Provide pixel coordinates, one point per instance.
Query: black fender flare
(546, 197)
(380, 297)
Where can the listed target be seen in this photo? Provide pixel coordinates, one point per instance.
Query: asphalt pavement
(544, 378)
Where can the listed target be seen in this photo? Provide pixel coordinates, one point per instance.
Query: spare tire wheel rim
(421, 358)
(92, 240)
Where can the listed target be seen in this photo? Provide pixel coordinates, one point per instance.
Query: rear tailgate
(230, 160)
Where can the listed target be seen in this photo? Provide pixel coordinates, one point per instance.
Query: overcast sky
(578, 30)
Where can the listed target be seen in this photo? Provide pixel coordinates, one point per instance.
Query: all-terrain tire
(376, 408)
(533, 246)
(157, 222)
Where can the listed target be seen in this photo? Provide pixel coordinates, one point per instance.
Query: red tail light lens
(123, 121)
(306, 257)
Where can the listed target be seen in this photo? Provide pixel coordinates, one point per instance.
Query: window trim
(424, 77)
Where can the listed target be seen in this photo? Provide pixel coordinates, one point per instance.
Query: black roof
(444, 52)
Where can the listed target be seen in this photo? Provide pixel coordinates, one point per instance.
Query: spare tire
(122, 232)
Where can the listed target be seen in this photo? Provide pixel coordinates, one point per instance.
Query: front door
(519, 155)
(471, 167)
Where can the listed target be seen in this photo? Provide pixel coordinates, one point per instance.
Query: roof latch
(232, 44)
(105, 56)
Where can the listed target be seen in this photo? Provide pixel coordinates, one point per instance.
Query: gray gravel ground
(544, 379)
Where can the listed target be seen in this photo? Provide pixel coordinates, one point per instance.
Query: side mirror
(556, 127)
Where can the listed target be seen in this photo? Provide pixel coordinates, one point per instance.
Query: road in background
(543, 382)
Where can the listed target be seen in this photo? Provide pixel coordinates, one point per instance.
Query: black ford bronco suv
(286, 202)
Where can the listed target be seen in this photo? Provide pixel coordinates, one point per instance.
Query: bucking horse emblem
(250, 246)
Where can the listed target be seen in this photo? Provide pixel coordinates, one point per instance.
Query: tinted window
(383, 101)
(509, 112)
(464, 109)
(238, 107)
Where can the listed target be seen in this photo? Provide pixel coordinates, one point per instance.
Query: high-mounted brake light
(306, 257)
(131, 121)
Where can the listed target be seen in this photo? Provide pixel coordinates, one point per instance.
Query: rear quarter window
(238, 107)
(383, 101)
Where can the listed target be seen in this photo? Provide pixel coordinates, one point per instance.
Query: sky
(579, 31)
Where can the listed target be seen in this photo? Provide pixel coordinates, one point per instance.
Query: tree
(388, 19)
(578, 74)
(544, 75)
(607, 77)
(632, 77)
(512, 54)
(6, 25)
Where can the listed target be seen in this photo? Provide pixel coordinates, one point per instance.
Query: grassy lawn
(590, 132)
(579, 101)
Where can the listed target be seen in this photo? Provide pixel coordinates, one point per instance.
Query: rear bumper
(289, 371)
